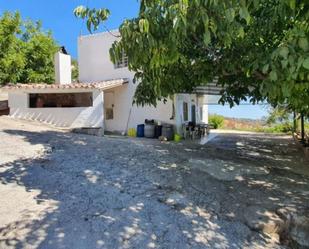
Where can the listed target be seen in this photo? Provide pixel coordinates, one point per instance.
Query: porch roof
(211, 88)
(101, 85)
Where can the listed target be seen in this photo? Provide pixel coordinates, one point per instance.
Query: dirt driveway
(63, 190)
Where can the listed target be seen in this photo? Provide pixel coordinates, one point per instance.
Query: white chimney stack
(63, 67)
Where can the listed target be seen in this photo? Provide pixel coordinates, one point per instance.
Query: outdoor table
(195, 130)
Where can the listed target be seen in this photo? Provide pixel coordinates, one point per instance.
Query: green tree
(217, 121)
(75, 72)
(279, 114)
(12, 61)
(258, 49)
(26, 51)
(39, 50)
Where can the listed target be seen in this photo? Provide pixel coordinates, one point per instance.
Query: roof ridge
(93, 85)
(100, 33)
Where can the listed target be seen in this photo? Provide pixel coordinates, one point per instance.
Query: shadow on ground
(92, 192)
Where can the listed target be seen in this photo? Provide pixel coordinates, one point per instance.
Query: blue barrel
(140, 130)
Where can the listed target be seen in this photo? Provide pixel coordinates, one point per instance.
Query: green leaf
(89, 23)
(303, 44)
(300, 62)
(292, 4)
(205, 19)
(183, 4)
(143, 25)
(230, 14)
(265, 68)
(79, 11)
(193, 41)
(284, 52)
(244, 14)
(284, 63)
(273, 75)
(306, 63)
(285, 90)
(241, 32)
(207, 37)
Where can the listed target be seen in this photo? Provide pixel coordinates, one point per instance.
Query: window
(185, 111)
(109, 98)
(193, 114)
(50, 100)
(109, 113)
(123, 62)
(201, 113)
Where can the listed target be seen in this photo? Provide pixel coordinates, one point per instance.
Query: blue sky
(57, 16)
(241, 111)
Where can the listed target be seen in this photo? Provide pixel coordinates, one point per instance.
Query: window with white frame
(122, 62)
(185, 111)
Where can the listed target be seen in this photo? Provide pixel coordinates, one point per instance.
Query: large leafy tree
(26, 52)
(257, 49)
(11, 61)
(75, 72)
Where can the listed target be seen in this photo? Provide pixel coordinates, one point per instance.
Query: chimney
(63, 67)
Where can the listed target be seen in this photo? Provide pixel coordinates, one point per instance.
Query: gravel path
(64, 190)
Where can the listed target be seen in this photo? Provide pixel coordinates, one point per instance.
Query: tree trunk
(294, 122)
(302, 124)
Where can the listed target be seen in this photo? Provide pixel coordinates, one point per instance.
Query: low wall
(73, 117)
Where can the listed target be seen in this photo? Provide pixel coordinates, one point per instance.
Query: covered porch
(71, 106)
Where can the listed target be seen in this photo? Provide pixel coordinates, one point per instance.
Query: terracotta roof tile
(101, 85)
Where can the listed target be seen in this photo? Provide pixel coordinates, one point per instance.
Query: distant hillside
(242, 123)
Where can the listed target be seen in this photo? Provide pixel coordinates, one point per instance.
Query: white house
(104, 97)
(61, 104)
(120, 114)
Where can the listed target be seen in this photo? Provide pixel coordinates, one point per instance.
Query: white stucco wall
(95, 65)
(201, 109)
(63, 68)
(127, 115)
(94, 61)
(75, 117)
(203, 101)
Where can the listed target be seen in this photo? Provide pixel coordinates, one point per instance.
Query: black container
(149, 121)
(158, 131)
(168, 132)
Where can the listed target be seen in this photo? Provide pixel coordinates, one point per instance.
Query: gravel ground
(64, 190)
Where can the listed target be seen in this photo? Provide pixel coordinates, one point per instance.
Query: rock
(298, 225)
(263, 220)
(162, 138)
(176, 200)
(299, 231)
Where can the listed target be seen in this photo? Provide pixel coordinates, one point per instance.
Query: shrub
(285, 127)
(278, 128)
(216, 121)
